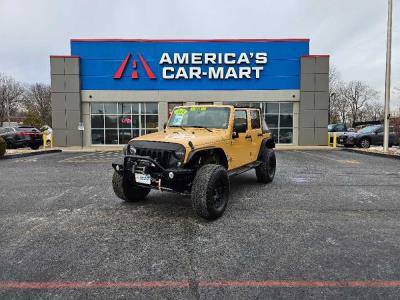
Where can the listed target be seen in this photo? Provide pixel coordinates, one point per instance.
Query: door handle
(260, 134)
(248, 136)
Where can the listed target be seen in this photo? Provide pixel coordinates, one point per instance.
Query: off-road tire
(364, 143)
(210, 191)
(125, 189)
(3, 147)
(265, 172)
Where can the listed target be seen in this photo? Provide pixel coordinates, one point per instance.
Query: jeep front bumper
(173, 179)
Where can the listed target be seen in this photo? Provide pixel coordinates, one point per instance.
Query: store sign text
(200, 65)
(213, 65)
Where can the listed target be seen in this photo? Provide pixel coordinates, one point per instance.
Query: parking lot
(328, 226)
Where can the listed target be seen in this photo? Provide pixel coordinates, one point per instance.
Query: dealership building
(110, 90)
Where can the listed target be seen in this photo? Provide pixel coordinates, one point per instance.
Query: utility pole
(387, 77)
(8, 111)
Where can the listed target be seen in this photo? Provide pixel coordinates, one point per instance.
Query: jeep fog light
(171, 175)
(117, 167)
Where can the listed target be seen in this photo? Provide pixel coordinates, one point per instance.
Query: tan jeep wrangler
(199, 148)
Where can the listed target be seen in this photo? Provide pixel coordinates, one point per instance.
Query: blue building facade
(119, 89)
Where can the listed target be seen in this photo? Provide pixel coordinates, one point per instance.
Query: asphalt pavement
(327, 227)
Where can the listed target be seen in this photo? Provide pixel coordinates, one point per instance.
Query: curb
(19, 155)
(89, 151)
(307, 148)
(373, 153)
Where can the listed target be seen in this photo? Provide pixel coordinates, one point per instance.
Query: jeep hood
(198, 136)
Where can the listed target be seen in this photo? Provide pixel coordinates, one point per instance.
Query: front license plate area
(143, 178)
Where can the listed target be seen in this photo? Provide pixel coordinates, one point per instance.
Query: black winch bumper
(171, 179)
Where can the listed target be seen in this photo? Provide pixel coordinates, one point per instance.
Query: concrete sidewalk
(91, 148)
(119, 148)
(19, 153)
(308, 148)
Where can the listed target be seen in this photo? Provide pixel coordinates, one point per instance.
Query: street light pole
(387, 77)
(8, 112)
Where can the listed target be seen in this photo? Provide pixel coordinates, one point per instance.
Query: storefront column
(162, 114)
(87, 123)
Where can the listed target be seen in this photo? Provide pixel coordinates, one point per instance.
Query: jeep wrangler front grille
(160, 156)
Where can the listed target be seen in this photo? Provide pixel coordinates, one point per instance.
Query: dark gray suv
(364, 138)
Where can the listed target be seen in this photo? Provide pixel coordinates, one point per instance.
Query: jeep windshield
(200, 117)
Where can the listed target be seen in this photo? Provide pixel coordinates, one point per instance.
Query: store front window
(278, 116)
(117, 123)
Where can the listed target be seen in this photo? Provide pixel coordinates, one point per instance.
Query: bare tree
(342, 104)
(357, 94)
(373, 111)
(11, 92)
(337, 107)
(334, 79)
(396, 111)
(37, 100)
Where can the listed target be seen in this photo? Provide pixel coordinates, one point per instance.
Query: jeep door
(241, 140)
(255, 133)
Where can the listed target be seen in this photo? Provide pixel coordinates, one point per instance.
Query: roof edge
(192, 40)
(316, 55)
(64, 56)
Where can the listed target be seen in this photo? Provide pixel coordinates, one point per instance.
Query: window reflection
(278, 116)
(117, 123)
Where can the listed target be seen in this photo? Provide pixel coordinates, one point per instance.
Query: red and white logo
(134, 74)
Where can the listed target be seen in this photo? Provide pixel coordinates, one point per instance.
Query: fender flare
(267, 143)
(193, 154)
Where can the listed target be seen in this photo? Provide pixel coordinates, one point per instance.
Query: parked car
(364, 138)
(20, 137)
(338, 128)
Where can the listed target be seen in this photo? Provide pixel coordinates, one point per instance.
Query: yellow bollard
(329, 139)
(44, 140)
(334, 140)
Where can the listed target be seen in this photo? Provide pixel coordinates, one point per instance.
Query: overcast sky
(353, 32)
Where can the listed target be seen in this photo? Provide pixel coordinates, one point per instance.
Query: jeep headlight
(179, 154)
(177, 157)
(129, 150)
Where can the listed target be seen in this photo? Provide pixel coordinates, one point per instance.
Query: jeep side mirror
(235, 135)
